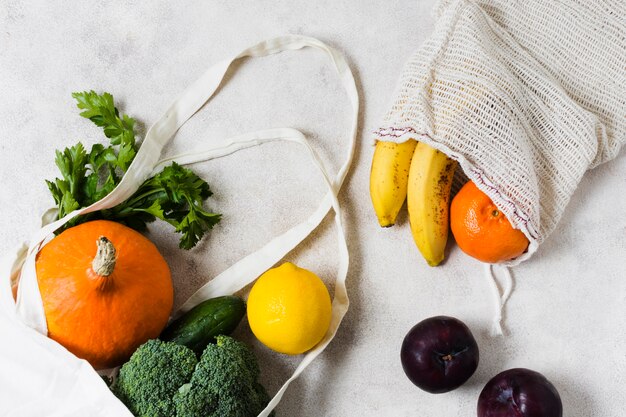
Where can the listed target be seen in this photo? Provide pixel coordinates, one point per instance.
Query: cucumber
(199, 326)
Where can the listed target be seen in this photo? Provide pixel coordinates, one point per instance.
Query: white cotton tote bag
(39, 376)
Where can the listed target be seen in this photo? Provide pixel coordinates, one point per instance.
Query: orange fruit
(481, 230)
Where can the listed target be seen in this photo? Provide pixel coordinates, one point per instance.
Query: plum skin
(519, 392)
(439, 354)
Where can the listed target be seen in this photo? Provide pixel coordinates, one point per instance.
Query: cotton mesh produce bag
(525, 95)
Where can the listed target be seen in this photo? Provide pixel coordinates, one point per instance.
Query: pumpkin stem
(104, 262)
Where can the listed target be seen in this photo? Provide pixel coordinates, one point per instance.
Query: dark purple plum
(439, 354)
(519, 392)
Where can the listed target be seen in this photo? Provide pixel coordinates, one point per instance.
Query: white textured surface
(566, 318)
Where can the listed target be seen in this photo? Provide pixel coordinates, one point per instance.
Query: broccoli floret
(188, 402)
(147, 383)
(223, 384)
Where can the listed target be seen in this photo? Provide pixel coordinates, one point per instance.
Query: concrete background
(565, 318)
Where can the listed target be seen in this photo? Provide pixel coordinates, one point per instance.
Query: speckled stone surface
(566, 318)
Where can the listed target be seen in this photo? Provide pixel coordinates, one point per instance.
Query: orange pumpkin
(106, 289)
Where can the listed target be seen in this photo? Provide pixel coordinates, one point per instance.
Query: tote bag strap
(250, 267)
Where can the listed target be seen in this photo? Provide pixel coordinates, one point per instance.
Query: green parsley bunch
(174, 195)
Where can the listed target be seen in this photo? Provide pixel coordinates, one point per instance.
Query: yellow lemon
(289, 309)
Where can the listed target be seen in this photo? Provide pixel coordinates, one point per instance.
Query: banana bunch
(421, 175)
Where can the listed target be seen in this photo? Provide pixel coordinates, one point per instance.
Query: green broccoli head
(223, 384)
(147, 383)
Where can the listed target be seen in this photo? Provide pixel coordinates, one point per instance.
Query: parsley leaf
(101, 110)
(174, 195)
(68, 192)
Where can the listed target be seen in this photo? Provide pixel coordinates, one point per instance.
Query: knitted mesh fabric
(526, 95)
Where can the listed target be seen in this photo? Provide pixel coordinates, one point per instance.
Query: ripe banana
(428, 201)
(388, 178)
